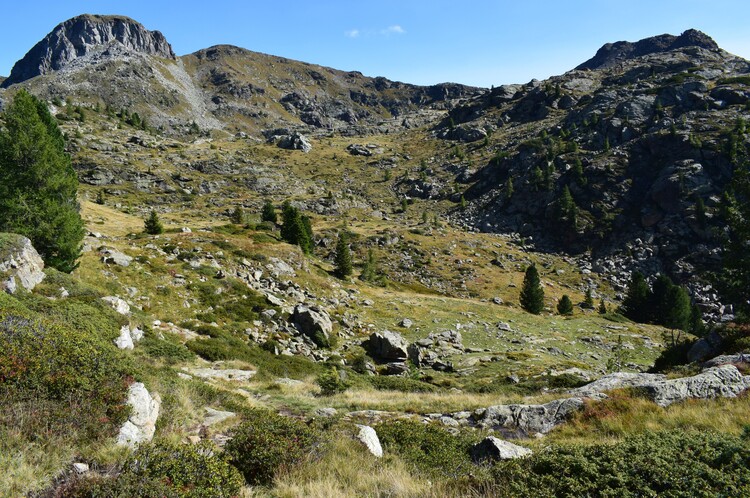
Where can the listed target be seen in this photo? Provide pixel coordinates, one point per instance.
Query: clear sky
(476, 42)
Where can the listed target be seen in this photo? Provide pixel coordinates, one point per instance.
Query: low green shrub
(123, 486)
(266, 443)
(428, 448)
(330, 382)
(171, 352)
(669, 463)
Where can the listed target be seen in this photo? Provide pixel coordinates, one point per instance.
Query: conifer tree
(238, 216)
(369, 268)
(602, 307)
(636, 303)
(38, 185)
(565, 305)
(343, 257)
(532, 294)
(152, 225)
(588, 300)
(297, 229)
(268, 213)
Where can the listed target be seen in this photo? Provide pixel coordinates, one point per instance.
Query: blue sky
(481, 43)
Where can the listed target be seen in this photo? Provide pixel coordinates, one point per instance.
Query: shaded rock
(314, 323)
(492, 449)
(369, 438)
(396, 368)
(20, 264)
(295, 141)
(386, 345)
(141, 424)
(358, 150)
(705, 347)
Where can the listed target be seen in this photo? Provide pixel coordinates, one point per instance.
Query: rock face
(314, 323)
(612, 53)
(369, 438)
(387, 345)
(492, 448)
(20, 264)
(528, 419)
(80, 36)
(724, 381)
(141, 424)
(617, 380)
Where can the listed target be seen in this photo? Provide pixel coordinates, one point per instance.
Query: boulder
(232, 374)
(295, 141)
(724, 381)
(492, 449)
(214, 416)
(141, 424)
(369, 438)
(705, 347)
(124, 341)
(396, 368)
(617, 380)
(527, 419)
(117, 304)
(113, 257)
(387, 345)
(733, 359)
(314, 323)
(358, 150)
(20, 264)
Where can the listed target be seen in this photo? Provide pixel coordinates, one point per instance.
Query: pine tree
(297, 229)
(736, 275)
(152, 225)
(636, 303)
(565, 305)
(532, 294)
(343, 257)
(676, 314)
(602, 307)
(369, 268)
(38, 185)
(588, 300)
(238, 216)
(268, 214)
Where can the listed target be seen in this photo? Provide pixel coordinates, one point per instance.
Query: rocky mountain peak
(612, 53)
(82, 35)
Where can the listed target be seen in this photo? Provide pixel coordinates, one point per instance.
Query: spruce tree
(602, 307)
(565, 305)
(297, 229)
(588, 300)
(676, 314)
(735, 279)
(636, 303)
(343, 257)
(238, 216)
(268, 214)
(38, 185)
(152, 225)
(532, 294)
(369, 268)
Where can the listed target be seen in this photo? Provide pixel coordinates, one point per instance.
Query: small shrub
(331, 383)
(428, 448)
(266, 442)
(403, 384)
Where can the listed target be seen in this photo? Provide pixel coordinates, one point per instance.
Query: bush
(123, 486)
(266, 443)
(428, 448)
(670, 463)
(331, 383)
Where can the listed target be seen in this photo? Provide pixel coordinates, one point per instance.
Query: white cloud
(393, 30)
(390, 30)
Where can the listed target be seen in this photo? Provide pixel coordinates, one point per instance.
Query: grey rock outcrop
(113, 257)
(724, 381)
(295, 141)
(117, 304)
(617, 380)
(82, 35)
(492, 449)
(314, 323)
(387, 345)
(527, 419)
(141, 424)
(368, 437)
(727, 359)
(705, 347)
(20, 264)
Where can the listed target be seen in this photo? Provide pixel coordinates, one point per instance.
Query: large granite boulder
(20, 264)
(527, 419)
(718, 382)
(368, 437)
(314, 323)
(141, 424)
(386, 345)
(493, 449)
